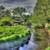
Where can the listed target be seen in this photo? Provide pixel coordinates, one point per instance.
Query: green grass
(12, 32)
(6, 18)
(48, 48)
(48, 27)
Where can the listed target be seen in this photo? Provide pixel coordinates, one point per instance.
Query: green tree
(41, 11)
(7, 12)
(2, 7)
(19, 10)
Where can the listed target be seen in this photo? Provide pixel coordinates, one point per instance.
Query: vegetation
(39, 19)
(9, 29)
(12, 32)
(41, 38)
(48, 48)
(41, 12)
(19, 10)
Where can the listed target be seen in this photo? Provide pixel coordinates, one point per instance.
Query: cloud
(14, 3)
(11, 1)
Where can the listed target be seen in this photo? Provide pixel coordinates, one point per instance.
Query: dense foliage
(40, 16)
(19, 10)
(41, 11)
(12, 32)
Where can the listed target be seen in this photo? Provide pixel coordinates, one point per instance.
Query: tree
(41, 11)
(2, 7)
(7, 12)
(19, 10)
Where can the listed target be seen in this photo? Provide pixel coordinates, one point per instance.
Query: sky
(29, 4)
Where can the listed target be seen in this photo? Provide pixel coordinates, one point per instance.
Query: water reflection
(29, 45)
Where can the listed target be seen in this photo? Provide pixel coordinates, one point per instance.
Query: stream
(31, 45)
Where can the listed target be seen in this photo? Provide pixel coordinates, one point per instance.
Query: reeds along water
(29, 45)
